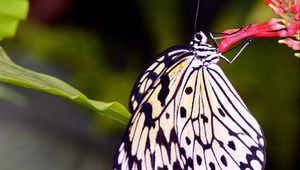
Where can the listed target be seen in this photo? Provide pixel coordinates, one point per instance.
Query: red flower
(286, 27)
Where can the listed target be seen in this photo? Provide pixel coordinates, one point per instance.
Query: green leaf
(11, 11)
(15, 74)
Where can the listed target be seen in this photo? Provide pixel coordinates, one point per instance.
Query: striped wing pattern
(187, 115)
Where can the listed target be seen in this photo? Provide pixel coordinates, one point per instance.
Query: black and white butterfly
(187, 115)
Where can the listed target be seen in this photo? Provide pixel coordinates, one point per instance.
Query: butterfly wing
(147, 102)
(188, 115)
(233, 136)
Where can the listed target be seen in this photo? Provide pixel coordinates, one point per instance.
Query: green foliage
(81, 53)
(10, 13)
(15, 74)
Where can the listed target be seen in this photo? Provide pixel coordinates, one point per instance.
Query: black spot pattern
(243, 166)
(147, 109)
(204, 118)
(161, 138)
(176, 165)
(182, 112)
(152, 76)
(223, 160)
(182, 152)
(212, 166)
(249, 157)
(188, 90)
(163, 93)
(167, 115)
(189, 163)
(188, 141)
(231, 145)
(221, 112)
(199, 160)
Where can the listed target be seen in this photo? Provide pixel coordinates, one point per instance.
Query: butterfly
(187, 115)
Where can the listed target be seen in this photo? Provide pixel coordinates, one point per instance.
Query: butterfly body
(187, 115)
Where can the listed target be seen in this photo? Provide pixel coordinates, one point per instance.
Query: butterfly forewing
(187, 115)
(154, 73)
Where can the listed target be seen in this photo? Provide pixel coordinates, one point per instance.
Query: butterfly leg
(245, 43)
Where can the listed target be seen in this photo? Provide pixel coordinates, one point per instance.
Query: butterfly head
(200, 39)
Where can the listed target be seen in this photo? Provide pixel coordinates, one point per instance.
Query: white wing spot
(260, 155)
(262, 141)
(255, 164)
(121, 146)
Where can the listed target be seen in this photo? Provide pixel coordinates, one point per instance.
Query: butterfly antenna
(196, 16)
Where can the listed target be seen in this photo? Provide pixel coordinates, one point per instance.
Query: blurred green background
(100, 47)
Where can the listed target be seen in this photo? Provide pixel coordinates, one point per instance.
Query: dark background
(101, 46)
